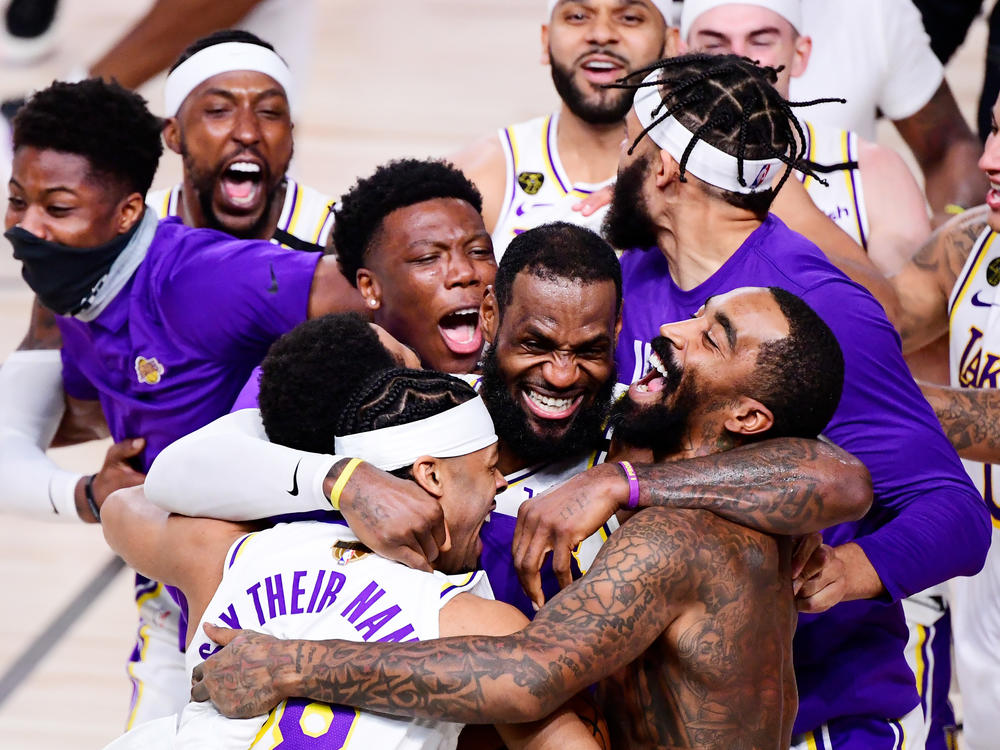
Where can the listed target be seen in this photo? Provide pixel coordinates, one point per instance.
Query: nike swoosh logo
(976, 302)
(295, 479)
(522, 207)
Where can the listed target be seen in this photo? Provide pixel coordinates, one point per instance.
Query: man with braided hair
(705, 131)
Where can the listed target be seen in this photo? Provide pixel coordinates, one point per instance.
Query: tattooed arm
(970, 418)
(637, 586)
(925, 283)
(782, 486)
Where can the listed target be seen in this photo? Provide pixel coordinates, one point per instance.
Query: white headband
(790, 10)
(664, 6)
(461, 430)
(705, 161)
(223, 58)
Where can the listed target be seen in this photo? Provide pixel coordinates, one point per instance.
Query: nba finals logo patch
(148, 371)
(761, 176)
(348, 552)
(993, 272)
(530, 182)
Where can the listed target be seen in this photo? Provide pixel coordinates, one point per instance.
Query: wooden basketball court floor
(388, 79)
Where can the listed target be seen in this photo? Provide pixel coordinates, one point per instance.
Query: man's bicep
(83, 420)
(925, 282)
(638, 584)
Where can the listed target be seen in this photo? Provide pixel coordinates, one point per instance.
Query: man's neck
(589, 153)
(189, 210)
(694, 251)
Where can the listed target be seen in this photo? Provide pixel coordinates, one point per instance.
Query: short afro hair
(222, 36)
(108, 125)
(799, 377)
(309, 374)
(557, 251)
(398, 184)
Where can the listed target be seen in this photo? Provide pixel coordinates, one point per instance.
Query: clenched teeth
(656, 363)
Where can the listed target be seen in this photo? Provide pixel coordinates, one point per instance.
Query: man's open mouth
(461, 332)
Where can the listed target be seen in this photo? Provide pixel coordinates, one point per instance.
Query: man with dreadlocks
(707, 132)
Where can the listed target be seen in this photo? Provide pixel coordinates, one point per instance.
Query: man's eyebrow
(727, 326)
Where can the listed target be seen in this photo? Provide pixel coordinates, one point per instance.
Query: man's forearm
(970, 418)
(783, 486)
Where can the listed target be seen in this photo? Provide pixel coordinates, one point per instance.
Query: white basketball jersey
(843, 199)
(309, 580)
(538, 191)
(974, 330)
(305, 222)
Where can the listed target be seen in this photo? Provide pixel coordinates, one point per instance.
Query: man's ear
(426, 472)
(803, 49)
(130, 212)
(618, 326)
(369, 288)
(489, 316)
(545, 59)
(667, 169)
(673, 45)
(172, 134)
(749, 417)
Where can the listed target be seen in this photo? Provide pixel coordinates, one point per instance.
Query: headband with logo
(705, 161)
(223, 58)
(461, 430)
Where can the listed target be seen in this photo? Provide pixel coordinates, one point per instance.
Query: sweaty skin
(678, 605)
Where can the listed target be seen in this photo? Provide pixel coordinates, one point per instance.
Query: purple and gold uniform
(855, 687)
(538, 190)
(168, 355)
(285, 581)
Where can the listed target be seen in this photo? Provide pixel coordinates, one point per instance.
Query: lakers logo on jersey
(977, 368)
(993, 272)
(148, 371)
(530, 182)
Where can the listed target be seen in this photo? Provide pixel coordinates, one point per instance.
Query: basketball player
(670, 188)
(139, 348)
(949, 286)
(431, 429)
(547, 377)
(687, 618)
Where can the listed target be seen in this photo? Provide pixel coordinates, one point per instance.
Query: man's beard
(204, 181)
(513, 427)
(603, 110)
(627, 224)
(660, 427)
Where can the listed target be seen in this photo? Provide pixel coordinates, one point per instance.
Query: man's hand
(822, 580)
(393, 517)
(559, 519)
(594, 202)
(116, 474)
(243, 679)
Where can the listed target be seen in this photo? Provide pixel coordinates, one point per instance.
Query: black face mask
(64, 277)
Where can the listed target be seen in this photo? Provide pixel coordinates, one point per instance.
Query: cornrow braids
(399, 396)
(730, 103)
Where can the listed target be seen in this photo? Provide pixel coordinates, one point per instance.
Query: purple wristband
(633, 485)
